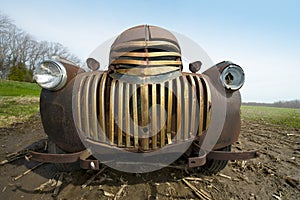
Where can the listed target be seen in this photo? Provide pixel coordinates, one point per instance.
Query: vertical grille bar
(80, 95)
(94, 118)
(201, 103)
(102, 108)
(178, 114)
(120, 113)
(186, 108)
(127, 114)
(208, 103)
(162, 115)
(112, 112)
(193, 106)
(170, 107)
(87, 108)
(154, 117)
(145, 116)
(135, 116)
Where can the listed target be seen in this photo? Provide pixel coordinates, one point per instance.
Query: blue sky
(261, 36)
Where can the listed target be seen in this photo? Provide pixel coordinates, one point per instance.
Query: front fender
(57, 116)
(225, 122)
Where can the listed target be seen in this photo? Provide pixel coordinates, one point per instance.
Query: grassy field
(287, 117)
(14, 88)
(18, 102)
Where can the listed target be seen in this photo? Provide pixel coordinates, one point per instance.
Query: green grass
(17, 109)
(18, 102)
(286, 117)
(14, 88)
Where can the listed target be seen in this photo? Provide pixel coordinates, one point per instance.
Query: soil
(274, 175)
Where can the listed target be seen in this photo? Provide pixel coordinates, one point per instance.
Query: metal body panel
(57, 119)
(62, 130)
(226, 110)
(143, 103)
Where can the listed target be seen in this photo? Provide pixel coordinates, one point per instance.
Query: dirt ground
(274, 175)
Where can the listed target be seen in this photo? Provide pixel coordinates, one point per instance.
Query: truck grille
(141, 116)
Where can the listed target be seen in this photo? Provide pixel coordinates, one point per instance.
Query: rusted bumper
(85, 163)
(221, 155)
(82, 157)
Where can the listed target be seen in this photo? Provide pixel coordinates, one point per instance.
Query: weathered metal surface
(82, 157)
(222, 155)
(55, 158)
(89, 164)
(57, 118)
(193, 94)
(111, 113)
(198, 161)
(135, 116)
(141, 52)
(126, 120)
(120, 113)
(133, 79)
(142, 44)
(153, 116)
(228, 106)
(72, 71)
(148, 63)
(144, 132)
(162, 69)
(116, 55)
(101, 108)
(170, 109)
(86, 163)
(162, 115)
(142, 103)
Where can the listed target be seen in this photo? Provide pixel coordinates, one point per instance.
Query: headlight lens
(50, 75)
(233, 77)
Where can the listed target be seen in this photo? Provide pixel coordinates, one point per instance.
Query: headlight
(50, 75)
(233, 77)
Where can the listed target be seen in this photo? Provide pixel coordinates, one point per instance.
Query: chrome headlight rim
(232, 77)
(62, 77)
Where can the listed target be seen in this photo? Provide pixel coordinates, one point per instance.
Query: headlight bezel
(237, 75)
(62, 75)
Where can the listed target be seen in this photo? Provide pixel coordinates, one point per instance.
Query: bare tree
(5, 21)
(17, 46)
(5, 25)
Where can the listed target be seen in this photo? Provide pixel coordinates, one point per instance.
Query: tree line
(21, 51)
(279, 104)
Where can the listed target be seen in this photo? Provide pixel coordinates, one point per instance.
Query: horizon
(261, 37)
